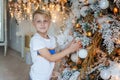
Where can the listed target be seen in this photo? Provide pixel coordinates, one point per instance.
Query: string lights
(23, 9)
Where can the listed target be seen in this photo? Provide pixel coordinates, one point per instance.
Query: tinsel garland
(89, 61)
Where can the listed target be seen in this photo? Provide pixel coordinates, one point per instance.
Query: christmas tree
(97, 25)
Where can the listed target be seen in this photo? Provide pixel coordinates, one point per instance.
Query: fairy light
(58, 7)
(43, 7)
(23, 9)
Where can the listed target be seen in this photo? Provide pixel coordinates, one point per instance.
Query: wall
(17, 32)
(14, 41)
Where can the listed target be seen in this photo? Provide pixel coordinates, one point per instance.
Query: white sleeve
(54, 42)
(37, 44)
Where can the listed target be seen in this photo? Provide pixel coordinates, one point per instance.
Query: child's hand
(74, 46)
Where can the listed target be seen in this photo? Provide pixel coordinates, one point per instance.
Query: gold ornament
(77, 25)
(115, 10)
(78, 28)
(89, 33)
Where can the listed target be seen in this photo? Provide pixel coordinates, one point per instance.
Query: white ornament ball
(82, 53)
(105, 74)
(74, 57)
(104, 4)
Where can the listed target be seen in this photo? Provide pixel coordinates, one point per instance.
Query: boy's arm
(46, 54)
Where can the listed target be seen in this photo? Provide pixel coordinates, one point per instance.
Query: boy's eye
(45, 20)
(38, 21)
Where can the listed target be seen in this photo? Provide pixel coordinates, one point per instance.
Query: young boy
(42, 47)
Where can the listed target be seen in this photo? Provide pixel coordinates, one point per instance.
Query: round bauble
(74, 57)
(105, 74)
(82, 53)
(104, 4)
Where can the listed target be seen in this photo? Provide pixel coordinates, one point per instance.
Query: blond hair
(42, 12)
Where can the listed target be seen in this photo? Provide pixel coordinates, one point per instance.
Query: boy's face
(41, 23)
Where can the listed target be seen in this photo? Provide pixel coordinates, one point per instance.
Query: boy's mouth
(43, 28)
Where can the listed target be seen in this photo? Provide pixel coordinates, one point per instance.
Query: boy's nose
(42, 23)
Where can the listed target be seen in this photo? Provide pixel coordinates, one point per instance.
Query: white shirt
(41, 68)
